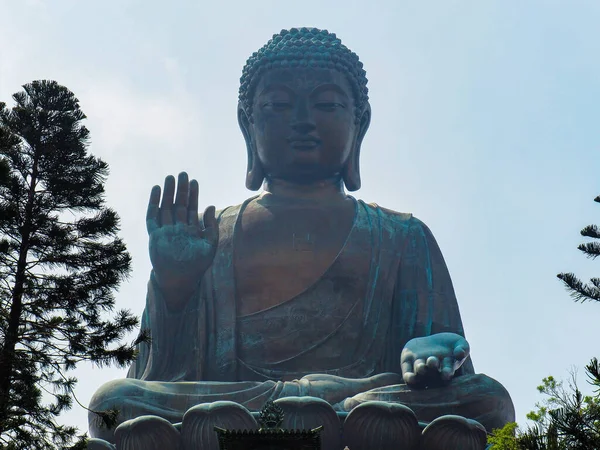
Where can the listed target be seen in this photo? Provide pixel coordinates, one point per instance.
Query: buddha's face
(304, 124)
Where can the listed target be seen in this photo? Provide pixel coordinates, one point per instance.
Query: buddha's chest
(281, 251)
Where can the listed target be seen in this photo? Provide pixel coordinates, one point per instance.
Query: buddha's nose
(303, 121)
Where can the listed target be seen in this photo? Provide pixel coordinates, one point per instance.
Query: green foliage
(579, 290)
(564, 420)
(60, 263)
(504, 438)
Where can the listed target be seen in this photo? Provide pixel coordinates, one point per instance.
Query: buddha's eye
(329, 106)
(277, 106)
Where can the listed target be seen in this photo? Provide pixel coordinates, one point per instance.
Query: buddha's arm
(424, 298)
(175, 320)
(175, 347)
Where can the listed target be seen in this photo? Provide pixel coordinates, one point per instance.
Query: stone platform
(369, 426)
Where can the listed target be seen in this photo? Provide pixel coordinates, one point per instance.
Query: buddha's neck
(323, 192)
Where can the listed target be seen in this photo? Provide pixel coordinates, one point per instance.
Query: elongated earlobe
(351, 172)
(255, 175)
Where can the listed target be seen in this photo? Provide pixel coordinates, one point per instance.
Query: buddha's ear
(351, 173)
(254, 173)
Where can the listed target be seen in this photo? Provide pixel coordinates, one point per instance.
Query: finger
(152, 211)
(420, 368)
(211, 227)
(433, 363)
(407, 365)
(192, 209)
(460, 352)
(181, 199)
(447, 370)
(166, 206)
(410, 378)
(209, 218)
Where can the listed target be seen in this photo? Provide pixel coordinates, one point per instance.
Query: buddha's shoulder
(390, 214)
(229, 211)
(401, 219)
(223, 215)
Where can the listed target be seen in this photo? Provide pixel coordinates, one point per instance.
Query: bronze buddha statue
(302, 290)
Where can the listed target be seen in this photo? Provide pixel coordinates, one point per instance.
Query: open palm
(181, 247)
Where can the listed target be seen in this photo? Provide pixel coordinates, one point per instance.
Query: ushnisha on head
(303, 86)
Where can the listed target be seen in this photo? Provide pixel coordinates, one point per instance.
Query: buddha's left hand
(428, 359)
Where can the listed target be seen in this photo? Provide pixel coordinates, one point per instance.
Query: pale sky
(485, 126)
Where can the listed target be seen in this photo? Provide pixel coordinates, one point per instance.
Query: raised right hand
(181, 249)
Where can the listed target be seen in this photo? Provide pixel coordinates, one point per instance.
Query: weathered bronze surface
(301, 290)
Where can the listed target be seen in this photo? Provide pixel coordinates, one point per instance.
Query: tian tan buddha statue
(302, 294)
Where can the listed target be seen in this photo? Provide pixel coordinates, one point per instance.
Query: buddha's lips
(304, 143)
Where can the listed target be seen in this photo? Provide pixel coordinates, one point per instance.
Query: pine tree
(60, 264)
(579, 290)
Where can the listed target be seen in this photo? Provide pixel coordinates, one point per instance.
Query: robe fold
(343, 325)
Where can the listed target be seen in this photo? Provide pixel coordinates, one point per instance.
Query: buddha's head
(303, 110)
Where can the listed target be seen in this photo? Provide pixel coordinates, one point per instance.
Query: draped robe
(339, 339)
(343, 324)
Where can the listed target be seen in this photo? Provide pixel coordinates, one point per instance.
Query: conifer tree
(579, 290)
(60, 264)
